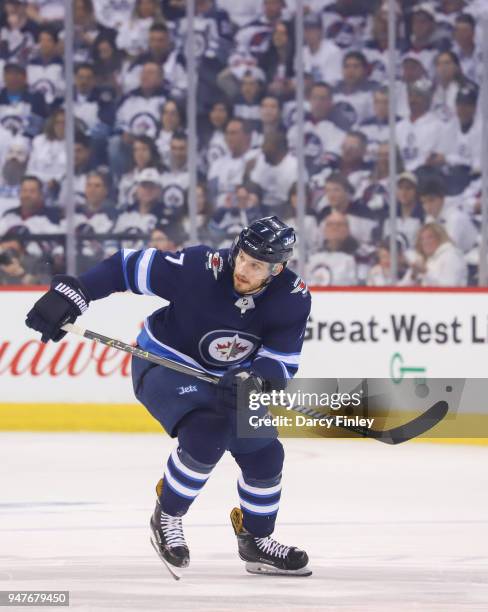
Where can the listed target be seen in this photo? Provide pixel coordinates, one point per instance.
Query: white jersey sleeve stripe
(291, 359)
(126, 253)
(143, 271)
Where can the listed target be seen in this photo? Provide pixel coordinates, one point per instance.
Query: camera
(7, 257)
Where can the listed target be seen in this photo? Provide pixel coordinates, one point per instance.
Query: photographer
(18, 267)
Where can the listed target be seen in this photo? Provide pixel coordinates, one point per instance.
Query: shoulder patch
(299, 286)
(214, 262)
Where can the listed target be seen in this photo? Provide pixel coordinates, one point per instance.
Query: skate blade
(176, 572)
(269, 570)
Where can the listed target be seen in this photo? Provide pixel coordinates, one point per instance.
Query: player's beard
(247, 287)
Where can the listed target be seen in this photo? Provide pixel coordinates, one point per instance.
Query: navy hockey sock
(203, 438)
(259, 488)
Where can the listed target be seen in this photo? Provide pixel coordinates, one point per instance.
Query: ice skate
(267, 556)
(168, 541)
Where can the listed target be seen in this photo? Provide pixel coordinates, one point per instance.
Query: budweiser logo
(66, 358)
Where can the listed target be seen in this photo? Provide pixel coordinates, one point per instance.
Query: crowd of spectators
(131, 176)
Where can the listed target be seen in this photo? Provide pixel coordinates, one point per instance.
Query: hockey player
(238, 313)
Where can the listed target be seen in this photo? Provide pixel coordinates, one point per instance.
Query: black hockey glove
(236, 381)
(63, 303)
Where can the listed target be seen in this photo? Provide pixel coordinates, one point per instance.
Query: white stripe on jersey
(144, 271)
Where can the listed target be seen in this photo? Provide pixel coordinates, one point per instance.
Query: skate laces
(272, 547)
(173, 530)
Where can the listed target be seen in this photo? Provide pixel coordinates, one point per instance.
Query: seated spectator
(465, 47)
(175, 180)
(376, 48)
(373, 190)
(241, 13)
(277, 63)
(247, 103)
(48, 157)
(132, 36)
(351, 164)
(380, 274)
(410, 213)
(240, 210)
(107, 63)
(456, 222)
(137, 115)
(335, 263)
(86, 30)
(425, 39)
(95, 216)
(113, 14)
(413, 70)
(274, 171)
(376, 128)
(144, 155)
(31, 213)
(94, 107)
(288, 214)
(147, 210)
(322, 58)
(204, 209)
(6, 139)
(323, 138)
(21, 111)
(17, 267)
(345, 22)
(355, 91)
(13, 169)
(47, 12)
(227, 172)
(255, 38)
(439, 263)
(338, 196)
(83, 165)
(270, 118)
(446, 13)
(448, 81)
(212, 136)
(18, 34)
(464, 157)
(422, 136)
(162, 51)
(172, 120)
(169, 237)
(45, 70)
(215, 39)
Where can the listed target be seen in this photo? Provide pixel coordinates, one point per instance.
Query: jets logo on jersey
(214, 263)
(224, 346)
(299, 286)
(173, 196)
(144, 124)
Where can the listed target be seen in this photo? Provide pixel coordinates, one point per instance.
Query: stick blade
(425, 421)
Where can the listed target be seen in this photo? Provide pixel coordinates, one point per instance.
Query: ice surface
(386, 528)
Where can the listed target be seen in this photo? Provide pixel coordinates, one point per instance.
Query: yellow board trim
(134, 418)
(77, 417)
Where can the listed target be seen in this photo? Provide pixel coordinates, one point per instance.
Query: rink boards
(352, 333)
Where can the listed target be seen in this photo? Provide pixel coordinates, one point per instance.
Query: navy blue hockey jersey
(207, 324)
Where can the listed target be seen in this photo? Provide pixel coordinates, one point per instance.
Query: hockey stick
(396, 435)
